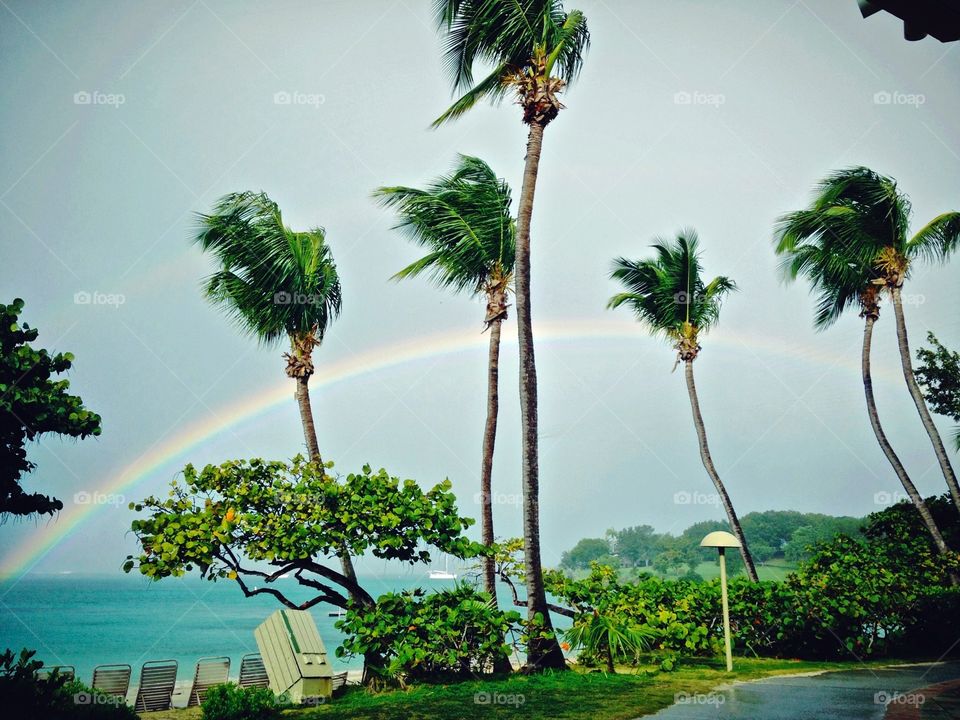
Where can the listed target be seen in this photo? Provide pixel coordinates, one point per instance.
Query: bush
(884, 593)
(455, 632)
(26, 695)
(232, 702)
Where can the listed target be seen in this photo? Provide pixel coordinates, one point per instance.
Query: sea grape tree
(254, 521)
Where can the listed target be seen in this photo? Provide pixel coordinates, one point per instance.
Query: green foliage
(464, 220)
(671, 616)
(232, 702)
(32, 403)
(667, 293)
(519, 40)
(636, 545)
(607, 636)
(292, 516)
(274, 282)
(585, 552)
(25, 694)
(939, 375)
(418, 635)
(883, 592)
(845, 240)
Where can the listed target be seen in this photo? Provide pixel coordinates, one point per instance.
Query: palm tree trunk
(310, 435)
(712, 472)
(888, 450)
(907, 365)
(543, 650)
(486, 468)
(306, 419)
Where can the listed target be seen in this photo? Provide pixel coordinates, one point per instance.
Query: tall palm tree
(823, 244)
(463, 220)
(863, 219)
(669, 296)
(276, 284)
(533, 49)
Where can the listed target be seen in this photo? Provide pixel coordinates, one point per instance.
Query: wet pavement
(915, 692)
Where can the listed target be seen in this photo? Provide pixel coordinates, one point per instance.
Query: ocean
(86, 621)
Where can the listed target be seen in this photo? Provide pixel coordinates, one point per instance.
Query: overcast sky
(121, 119)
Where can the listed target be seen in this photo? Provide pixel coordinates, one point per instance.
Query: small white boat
(444, 574)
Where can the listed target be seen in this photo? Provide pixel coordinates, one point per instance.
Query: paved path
(916, 692)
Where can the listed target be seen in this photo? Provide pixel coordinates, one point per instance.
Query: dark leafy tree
(939, 376)
(33, 403)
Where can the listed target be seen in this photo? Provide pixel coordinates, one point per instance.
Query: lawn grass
(553, 696)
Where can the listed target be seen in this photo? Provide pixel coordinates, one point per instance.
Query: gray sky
(96, 197)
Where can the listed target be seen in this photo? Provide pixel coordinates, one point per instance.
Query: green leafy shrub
(27, 695)
(417, 635)
(232, 702)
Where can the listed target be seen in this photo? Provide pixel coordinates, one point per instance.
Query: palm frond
(667, 292)
(463, 219)
(272, 281)
(936, 240)
(511, 36)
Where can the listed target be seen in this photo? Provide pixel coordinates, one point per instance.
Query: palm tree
(276, 284)
(668, 295)
(822, 244)
(862, 218)
(463, 220)
(534, 49)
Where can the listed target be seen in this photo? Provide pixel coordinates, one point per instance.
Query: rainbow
(175, 447)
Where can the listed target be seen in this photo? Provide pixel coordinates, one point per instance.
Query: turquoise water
(87, 621)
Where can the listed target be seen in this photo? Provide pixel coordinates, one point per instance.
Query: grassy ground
(560, 696)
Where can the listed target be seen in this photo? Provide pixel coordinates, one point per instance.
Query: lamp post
(721, 541)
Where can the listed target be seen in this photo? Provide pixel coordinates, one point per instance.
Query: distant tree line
(785, 534)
